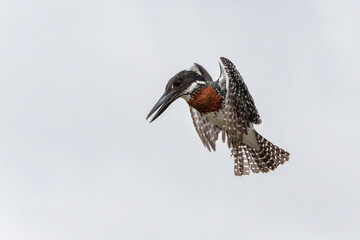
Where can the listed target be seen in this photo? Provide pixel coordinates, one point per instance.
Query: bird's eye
(177, 83)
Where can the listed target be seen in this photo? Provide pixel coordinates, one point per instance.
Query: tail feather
(268, 158)
(241, 163)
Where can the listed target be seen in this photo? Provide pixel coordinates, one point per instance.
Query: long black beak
(164, 102)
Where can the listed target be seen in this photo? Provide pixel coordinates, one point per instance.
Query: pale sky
(79, 161)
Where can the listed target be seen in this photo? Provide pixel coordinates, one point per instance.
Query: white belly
(216, 118)
(248, 139)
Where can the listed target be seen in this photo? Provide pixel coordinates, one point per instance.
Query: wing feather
(208, 132)
(240, 109)
(238, 91)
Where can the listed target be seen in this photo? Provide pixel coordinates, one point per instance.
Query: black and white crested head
(181, 85)
(195, 67)
(182, 81)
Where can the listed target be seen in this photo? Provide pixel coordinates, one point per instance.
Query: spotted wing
(208, 132)
(240, 109)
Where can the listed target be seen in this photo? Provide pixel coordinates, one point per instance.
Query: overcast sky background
(79, 161)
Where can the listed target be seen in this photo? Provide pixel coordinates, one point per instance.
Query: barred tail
(268, 158)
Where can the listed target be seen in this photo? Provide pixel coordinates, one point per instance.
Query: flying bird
(223, 107)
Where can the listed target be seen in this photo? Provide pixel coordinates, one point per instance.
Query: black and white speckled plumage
(234, 116)
(238, 113)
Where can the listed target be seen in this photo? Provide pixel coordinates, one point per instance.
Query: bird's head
(180, 85)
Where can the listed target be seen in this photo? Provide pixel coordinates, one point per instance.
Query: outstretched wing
(208, 132)
(240, 109)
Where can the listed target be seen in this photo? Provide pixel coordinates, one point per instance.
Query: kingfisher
(223, 107)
